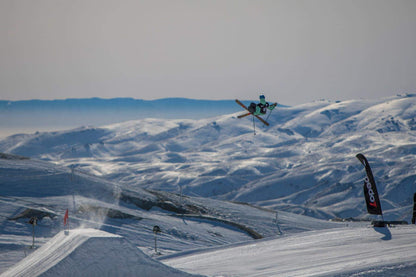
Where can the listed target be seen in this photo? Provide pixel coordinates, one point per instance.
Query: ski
(246, 114)
(243, 115)
(258, 117)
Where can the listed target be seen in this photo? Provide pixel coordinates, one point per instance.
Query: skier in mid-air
(260, 108)
(257, 109)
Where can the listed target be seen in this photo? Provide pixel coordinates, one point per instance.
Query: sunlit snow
(287, 201)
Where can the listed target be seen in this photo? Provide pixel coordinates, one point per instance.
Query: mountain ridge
(29, 116)
(304, 163)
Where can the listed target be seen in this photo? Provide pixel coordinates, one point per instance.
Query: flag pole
(66, 222)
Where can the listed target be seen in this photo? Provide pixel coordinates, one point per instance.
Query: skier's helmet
(262, 97)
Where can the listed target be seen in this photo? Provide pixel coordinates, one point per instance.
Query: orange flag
(66, 217)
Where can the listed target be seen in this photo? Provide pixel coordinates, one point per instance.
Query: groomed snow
(317, 253)
(89, 252)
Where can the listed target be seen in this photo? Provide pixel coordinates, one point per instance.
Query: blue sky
(291, 50)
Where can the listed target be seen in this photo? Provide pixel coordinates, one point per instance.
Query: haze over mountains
(29, 116)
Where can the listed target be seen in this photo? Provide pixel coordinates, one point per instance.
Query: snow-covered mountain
(34, 188)
(215, 189)
(51, 115)
(303, 163)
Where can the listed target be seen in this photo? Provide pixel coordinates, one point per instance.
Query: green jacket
(262, 106)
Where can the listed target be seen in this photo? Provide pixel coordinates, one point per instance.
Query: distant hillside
(118, 104)
(304, 162)
(46, 115)
(35, 188)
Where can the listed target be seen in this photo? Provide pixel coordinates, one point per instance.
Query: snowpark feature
(89, 252)
(128, 177)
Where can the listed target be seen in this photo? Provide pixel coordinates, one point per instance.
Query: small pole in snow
(156, 230)
(72, 187)
(33, 221)
(414, 210)
(180, 190)
(72, 173)
(277, 224)
(180, 187)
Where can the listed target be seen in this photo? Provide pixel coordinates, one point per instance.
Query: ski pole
(254, 126)
(268, 116)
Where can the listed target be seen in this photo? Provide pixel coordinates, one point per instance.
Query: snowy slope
(336, 252)
(304, 163)
(89, 252)
(31, 187)
(126, 178)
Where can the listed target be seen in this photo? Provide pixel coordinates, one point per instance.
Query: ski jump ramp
(90, 252)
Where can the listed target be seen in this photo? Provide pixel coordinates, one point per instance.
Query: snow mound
(90, 252)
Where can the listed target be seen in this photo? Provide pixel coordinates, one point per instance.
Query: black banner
(370, 189)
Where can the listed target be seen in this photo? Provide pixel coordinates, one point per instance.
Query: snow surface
(317, 253)
(303, 163)
(288, 196)
(89, 252)
(31, 187)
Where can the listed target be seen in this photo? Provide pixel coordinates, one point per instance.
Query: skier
(257, 109)
(260, 108)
